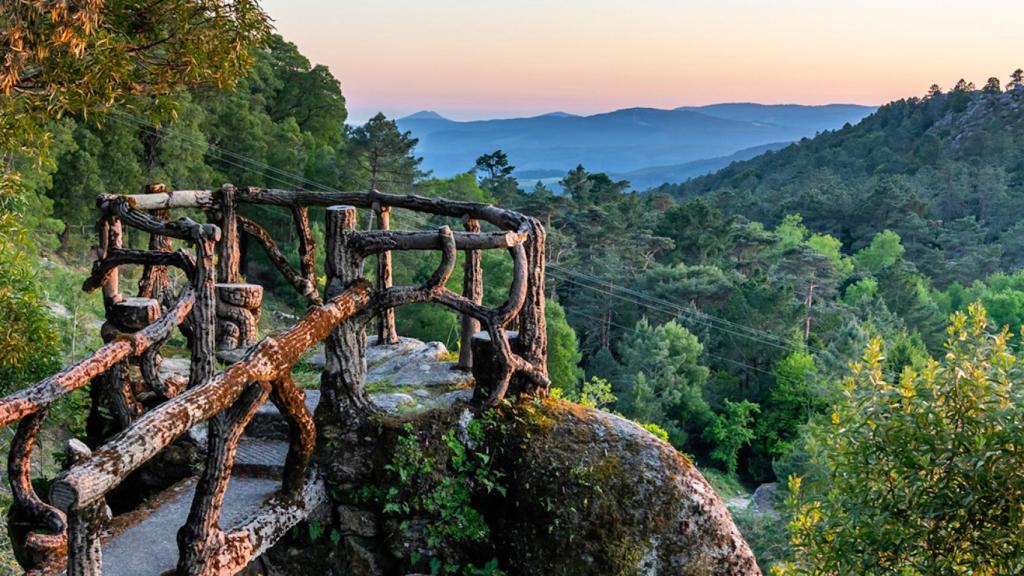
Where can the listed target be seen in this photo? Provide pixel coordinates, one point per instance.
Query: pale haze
(499, 59)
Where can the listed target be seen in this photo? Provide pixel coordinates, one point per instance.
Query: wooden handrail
(46, 392)
(268, 361)
(376, 241)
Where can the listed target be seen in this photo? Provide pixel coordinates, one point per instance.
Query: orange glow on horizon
(486, 59)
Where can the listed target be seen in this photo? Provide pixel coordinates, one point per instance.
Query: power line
(580, 315)
(646, 300)
(675, 312)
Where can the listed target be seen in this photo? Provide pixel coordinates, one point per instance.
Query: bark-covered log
(386, 333)
(186, 229)
(291, 402)
(244, 295)
(503, 218)
(265, 526)
(84, 525)
(304, 286)
(155, 282)
(267, 362)
(344, 376)
(382, 241)
(472, 290)
(307, 245)
(202, 534)
(430, 290)
(110, 241)
(532, 322)
(133, 313)
(149, 365)
(119, 393)
(228, 262)
(44, 525)
(48, 391)
(204, 314)
(152, 259)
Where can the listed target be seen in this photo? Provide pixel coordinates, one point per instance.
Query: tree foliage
(921, 469)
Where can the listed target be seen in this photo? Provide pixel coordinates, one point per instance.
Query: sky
(486, 59)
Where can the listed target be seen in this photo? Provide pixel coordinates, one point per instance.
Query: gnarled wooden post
(202, 536)
(386, 333)
(84, 524)
(155, 282)
(39, 526)
(532, 324)
(228, 261)
(473, 290)
(204, 311)
(344, 376)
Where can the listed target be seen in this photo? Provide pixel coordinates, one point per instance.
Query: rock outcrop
(593, 493)
(583, 492)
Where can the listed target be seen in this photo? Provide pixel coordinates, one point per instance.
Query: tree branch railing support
(137, 327)
(472, 290)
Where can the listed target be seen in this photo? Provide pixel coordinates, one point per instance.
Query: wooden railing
(218, 313)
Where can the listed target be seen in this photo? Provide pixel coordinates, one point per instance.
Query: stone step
(144, 542)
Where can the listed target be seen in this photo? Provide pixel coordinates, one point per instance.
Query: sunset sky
(485, 59)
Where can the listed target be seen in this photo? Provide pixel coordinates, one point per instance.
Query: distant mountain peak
(424, 115)
(558, 114)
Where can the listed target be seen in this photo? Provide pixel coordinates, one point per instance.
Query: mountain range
(647, 146)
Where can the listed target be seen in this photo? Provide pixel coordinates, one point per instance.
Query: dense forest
(723, 313)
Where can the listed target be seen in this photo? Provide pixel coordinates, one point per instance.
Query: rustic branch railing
(215, 309)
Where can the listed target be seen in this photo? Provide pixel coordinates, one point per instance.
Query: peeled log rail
(124, 207)
(271, 360)
(34, 398)
(174, 199)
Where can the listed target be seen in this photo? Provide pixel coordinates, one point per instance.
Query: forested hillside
(945, 172)
(723, 314)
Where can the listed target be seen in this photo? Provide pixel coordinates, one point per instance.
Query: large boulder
(593, 493)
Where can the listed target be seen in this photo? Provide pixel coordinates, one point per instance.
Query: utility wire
(578, 277)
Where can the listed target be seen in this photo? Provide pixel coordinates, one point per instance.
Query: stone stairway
(407, 376)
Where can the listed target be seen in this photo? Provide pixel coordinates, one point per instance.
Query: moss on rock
(592, 493)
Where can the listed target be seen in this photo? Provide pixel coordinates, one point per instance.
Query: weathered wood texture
(344, 376)
(238, 312)
(383, 241)
(270, 360)
(84, 525)
(155, 281)
(291, 402)
(48, 391)
(43, 525)
(175, 199)
(204, 313)
(472, 290)
(124, 207)
(103, 269)
(202, 535)
(265, 526)
(304, 286)
(307, 245)
(228, 261)
(386, 333)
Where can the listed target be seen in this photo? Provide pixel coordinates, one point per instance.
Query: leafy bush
(440, 490)
(922, 474)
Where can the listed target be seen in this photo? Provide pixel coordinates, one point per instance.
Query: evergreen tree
(385, 154)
